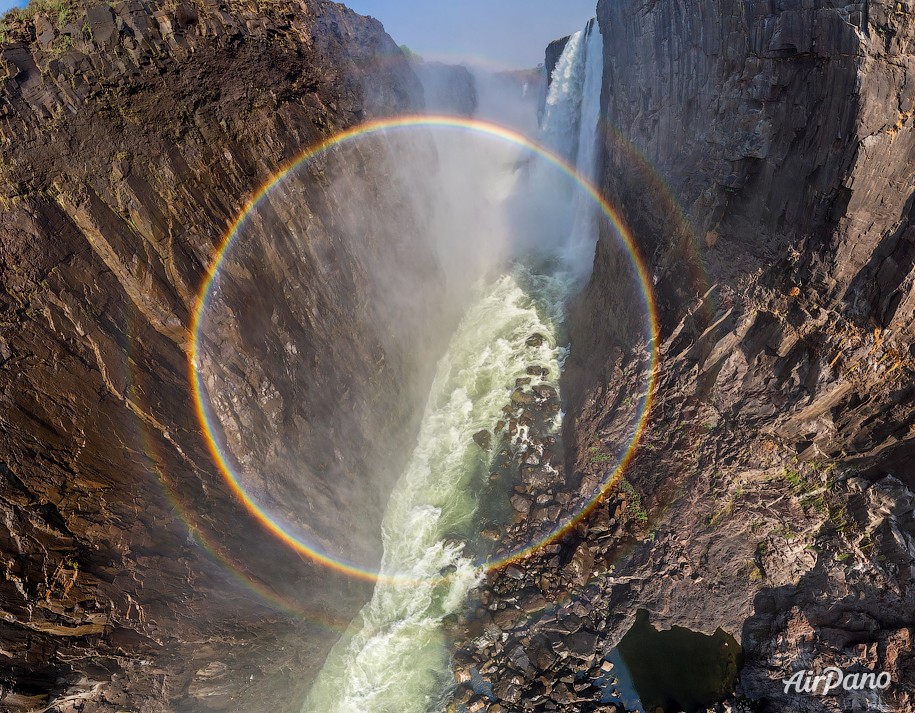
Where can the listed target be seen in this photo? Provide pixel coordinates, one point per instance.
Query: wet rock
(535, 340)
(581, 565)
(462, 675)
(532, 602)
(507, 691)
(582, 645)
(541, 653)
(545, 392)
(492, 533)
(519, 660)
(506, 618)
(483, 439)
(538, 477)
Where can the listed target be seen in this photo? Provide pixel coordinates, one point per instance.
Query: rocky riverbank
(531, 636)
(766, 180)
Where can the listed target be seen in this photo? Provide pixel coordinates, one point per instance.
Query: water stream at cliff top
(395, 658)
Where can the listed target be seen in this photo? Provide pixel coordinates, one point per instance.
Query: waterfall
(586, 160)
(562, 114)
(585, 227)
(570, 127)
(395, 656)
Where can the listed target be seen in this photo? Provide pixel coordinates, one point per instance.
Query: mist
(391, 292)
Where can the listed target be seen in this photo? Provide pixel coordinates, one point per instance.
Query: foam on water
(395, 658)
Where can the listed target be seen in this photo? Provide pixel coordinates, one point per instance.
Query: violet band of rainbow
(381, 126)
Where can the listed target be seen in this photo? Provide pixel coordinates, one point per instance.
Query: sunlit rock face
(761, 154)
(133, 579)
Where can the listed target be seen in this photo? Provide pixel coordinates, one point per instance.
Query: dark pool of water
(674, 670)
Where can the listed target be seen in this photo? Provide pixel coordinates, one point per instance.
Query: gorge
(680, 407)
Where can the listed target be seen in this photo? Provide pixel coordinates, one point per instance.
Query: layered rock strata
(132, 134)
(760, 154)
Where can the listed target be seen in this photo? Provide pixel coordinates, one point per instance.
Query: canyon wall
(761, 154)
(132, 135)
(759, 151)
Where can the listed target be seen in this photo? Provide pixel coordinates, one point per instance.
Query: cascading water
(395, 656)
(569, 128)
(562, 115)
(584, 227)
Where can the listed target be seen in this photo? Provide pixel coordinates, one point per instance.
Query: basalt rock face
(132, 135)
(553, 53)
(448, 88)
(761, 155)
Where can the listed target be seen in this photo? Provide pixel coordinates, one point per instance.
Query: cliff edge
(132, 135)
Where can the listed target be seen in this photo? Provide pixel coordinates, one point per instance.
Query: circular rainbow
(480, 128)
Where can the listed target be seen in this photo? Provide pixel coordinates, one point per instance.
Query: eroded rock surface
(761, 154)
(132, 134)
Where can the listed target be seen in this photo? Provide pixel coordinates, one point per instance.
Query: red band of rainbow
(378, 127)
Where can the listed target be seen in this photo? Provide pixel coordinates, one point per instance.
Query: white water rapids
(395, 659)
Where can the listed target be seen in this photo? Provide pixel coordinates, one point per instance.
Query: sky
(7, 4)
(506, 33)
(511, 33)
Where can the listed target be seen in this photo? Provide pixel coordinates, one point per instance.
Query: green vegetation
(809, 494)
(634, 505)
(59, 12)
(410, 54)
(817, 502)
(840, 520)
(815, 493)
(597, 457)
(785, 531)
(795, 480)
(61, 45)
(712, 521)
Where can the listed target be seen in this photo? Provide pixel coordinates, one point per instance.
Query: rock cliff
(760, 152)
(132, 134)
(448, 89)
(779, 465)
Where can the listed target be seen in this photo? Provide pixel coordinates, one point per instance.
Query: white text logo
(834, 679)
